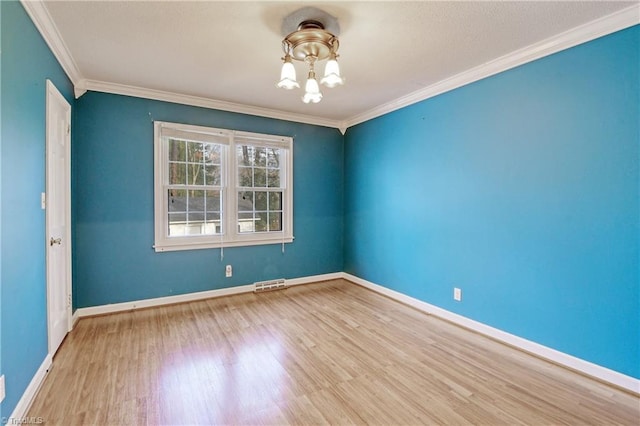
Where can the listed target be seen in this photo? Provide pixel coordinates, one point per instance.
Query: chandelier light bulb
(312, 89)
(332, 76)
(288, 75)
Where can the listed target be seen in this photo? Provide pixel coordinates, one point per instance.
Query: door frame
(53, 94)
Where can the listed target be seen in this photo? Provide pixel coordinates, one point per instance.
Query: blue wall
(1, 370)
(113, 205)
(26, 64)
(523, 190)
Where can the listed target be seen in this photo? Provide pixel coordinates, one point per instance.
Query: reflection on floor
(330, 352)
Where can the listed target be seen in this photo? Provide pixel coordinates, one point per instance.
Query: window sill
(212, 245)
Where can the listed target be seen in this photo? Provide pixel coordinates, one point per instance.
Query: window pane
(193, 228)
(275, 201)
(194, 152)
(275, 221)
(273, 157)
(260, 158)
(195, 201)
(213, 217)
(195, 174)
(212, 225)
(212, 153)
(245, 155)
(260, 177)
(273, 176)
(177, 224)
(195, 217)
(212, 175)
(245, 201)
(261, 222)
(259, 167)
(261, 200)
(177, 174)
(245, 222)
(176, 150)
(213, 201)
(245, 177)
(177, 200)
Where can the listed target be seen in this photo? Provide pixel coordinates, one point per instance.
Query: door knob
(53, 241)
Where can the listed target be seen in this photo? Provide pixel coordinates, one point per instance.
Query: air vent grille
(270, 285)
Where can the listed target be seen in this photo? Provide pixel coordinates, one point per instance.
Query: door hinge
(68, 128)
(68, 300)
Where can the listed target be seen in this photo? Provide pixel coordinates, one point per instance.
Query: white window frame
(230, 237)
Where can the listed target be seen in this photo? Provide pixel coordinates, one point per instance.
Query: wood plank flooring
(326, 353)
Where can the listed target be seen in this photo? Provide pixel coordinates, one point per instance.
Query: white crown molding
(80, 88)
(591, 30)
(159, 95)
(604, 374)
(41, 18)
(606, 25)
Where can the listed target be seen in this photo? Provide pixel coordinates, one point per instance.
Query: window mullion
(232, 192)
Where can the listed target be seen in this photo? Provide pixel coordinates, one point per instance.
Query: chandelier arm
(286, 47)
(335, 45)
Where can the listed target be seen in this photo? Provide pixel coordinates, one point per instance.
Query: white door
(58, 217)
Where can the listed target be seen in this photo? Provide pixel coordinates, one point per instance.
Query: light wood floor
(330, 352)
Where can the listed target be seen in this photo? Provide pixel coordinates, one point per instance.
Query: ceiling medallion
(310, 43)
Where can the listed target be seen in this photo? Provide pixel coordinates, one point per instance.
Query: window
(217, 188)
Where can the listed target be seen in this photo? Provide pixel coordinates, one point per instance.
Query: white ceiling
(230, 51)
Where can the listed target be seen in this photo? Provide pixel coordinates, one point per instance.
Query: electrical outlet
(457, 294)
(2, 393)
(228, 271)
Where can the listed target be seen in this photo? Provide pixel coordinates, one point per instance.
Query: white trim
(589, 31)
(53, 96)
(80, 88)
(228, 140)
(41, 18)
(31, 391)
(190, 297)
(314, 279)
(585, 367)
(581, 34)
(160, 95)
(161, 301)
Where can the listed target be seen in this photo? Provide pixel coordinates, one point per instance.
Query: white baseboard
(315, 278)
(20, 412)
(601, 373)
(189, 297)
(585, 367)
(160, 301)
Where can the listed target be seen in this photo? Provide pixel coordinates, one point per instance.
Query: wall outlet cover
(457, 294)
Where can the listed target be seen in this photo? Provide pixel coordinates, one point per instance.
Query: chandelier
(310, 43)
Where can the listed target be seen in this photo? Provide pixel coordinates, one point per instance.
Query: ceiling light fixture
(310, 43)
